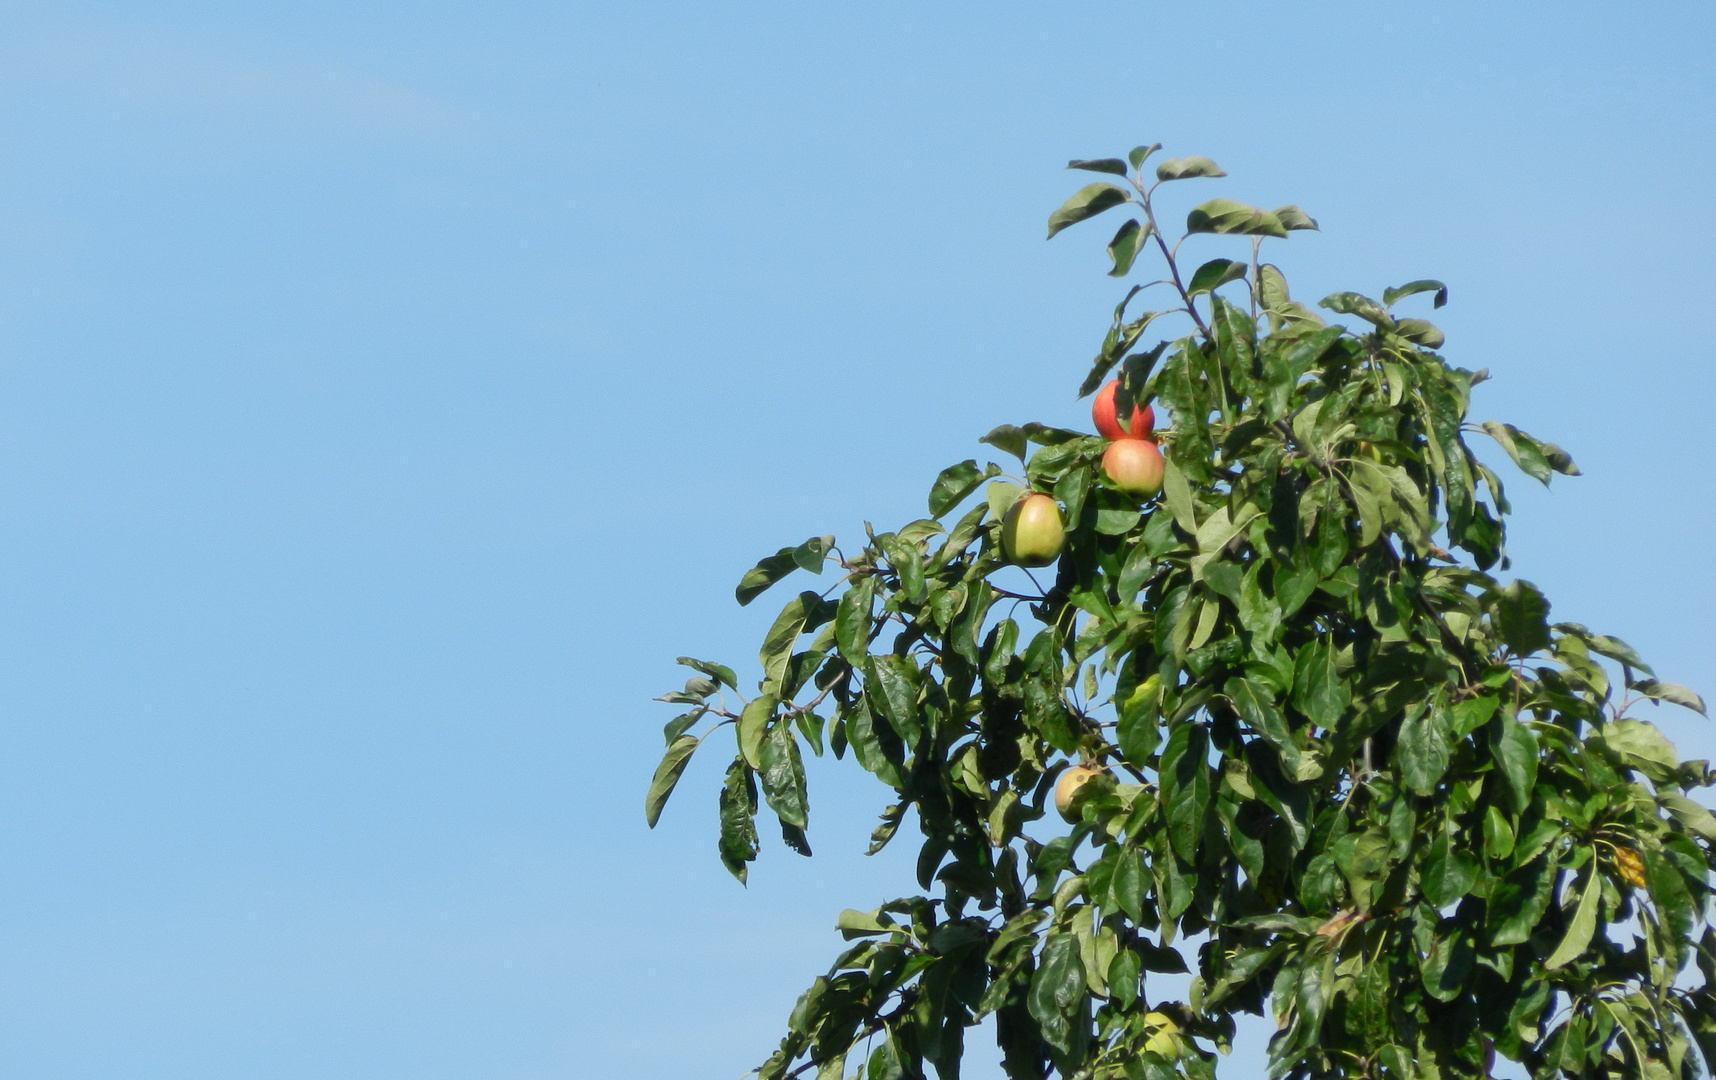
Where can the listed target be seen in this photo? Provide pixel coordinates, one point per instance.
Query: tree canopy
(1344, 776)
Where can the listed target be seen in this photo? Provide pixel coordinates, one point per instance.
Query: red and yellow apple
(1140, 426)
(1032, 533)
(1134, 466)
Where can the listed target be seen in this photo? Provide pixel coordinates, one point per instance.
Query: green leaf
(1002, 496)
(758, 579)
(1185, 780)
(1177, 493)
(1422, 750)
(724, 675)
(782, 774)
(857, 924)
(1123, 249)
(1519, 901)
(891, 683)
(738, 844)
(1087, 202)
(666, 776)
(1449, 872)
(1293, 219)
(1230, 218)
(1521, 448)
(1413, 288)
(1007, 438)
(1515, 748)
(1186, 168)
(811, 554)
(778, 643)
(1521, 615)
(1581, 927)
(1138, 729)
(953, 485)
(1214, 274)
(1672, 693)
(753, 720)
(1318, 691)
(852, 620)
(1138, 154)
(1420, 332)
(1643, 747)
(682, 723)
(1689, 814)
(1351, 303)
(1104, 165)
(1258, 710)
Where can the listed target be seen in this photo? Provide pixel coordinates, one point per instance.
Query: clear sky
(388, 393)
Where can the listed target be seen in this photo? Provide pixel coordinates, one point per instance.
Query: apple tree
(1343, 776)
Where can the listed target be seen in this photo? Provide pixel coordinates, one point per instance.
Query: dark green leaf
(1519, 901)
(682, 723)
(1185, 779)
(1258, 710)
(666, 776)
(811, 554)
(951, 488)
(1515, 749)
(782, 775)
(1187, 167)
(1123, 249)
(1139, 153)
(1521, 615)
(738, 828)
(1007, 438)
(1413, 288)
(757, 580)
(1105, 165)
(1214, 274)
(1087, 202)
(1449, 872)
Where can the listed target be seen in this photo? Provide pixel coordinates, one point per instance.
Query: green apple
(1032, 533)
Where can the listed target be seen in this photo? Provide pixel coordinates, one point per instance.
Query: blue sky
(388, 395)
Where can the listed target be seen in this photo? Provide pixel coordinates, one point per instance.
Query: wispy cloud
(133, 69)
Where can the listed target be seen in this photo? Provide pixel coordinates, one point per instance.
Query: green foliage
(1351, 780)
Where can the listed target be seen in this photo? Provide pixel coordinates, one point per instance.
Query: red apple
(1142, 424)
(1032, 533)
(1135, 467)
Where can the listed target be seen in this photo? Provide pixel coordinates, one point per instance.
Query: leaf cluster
(1351, 780)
